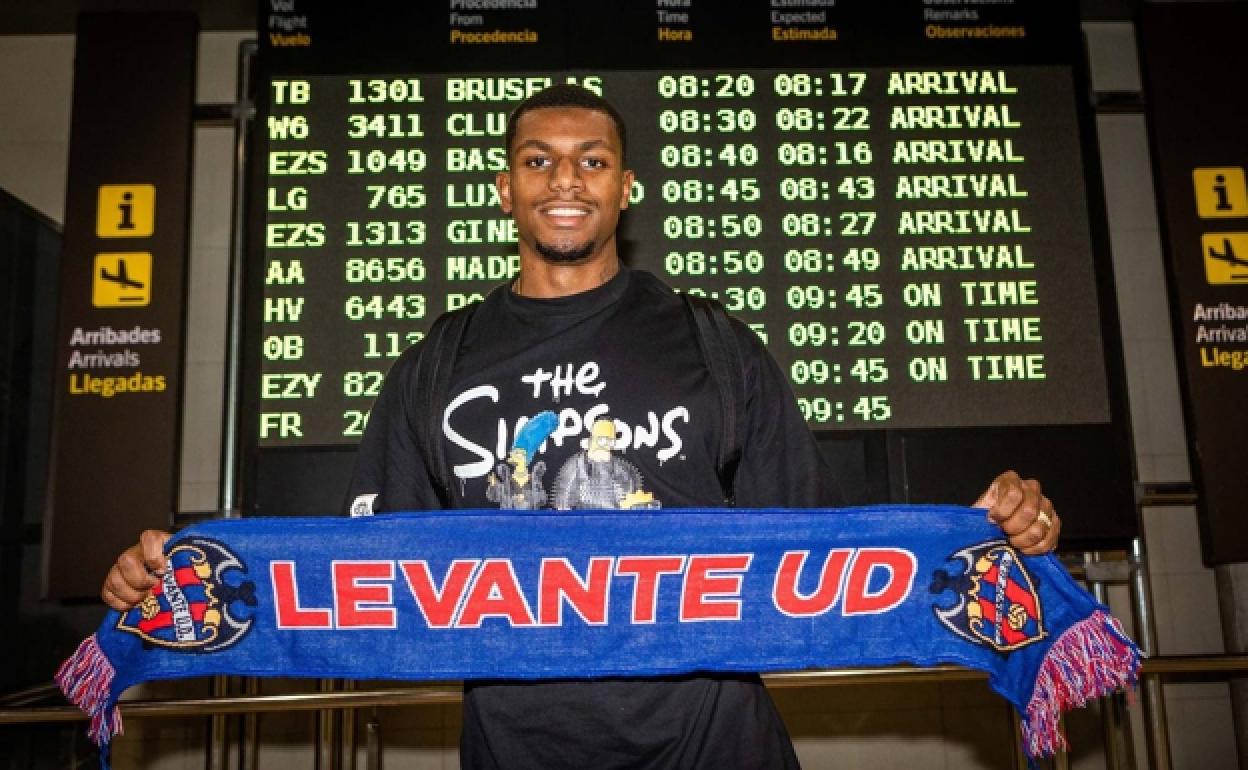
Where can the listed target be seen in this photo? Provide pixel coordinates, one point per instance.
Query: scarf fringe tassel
(1091, 659)
(86, 678)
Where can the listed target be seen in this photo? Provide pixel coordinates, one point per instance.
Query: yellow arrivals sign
(122, 279)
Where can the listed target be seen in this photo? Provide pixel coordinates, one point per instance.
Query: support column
(1233, 605)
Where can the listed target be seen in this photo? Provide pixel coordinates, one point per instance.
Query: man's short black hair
(565, 95)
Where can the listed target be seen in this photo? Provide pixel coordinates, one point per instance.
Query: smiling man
(607, 360)
(565, 189)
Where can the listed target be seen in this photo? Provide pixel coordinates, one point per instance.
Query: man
(578, 334)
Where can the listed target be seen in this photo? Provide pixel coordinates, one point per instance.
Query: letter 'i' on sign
(126, 211)
(1220, 192)
(1226, 257)
(122, 279)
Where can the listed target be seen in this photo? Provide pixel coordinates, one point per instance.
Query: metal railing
(336, 735)
(450, 692)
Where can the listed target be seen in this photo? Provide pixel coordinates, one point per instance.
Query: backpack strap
(722, 355)
(433, 385)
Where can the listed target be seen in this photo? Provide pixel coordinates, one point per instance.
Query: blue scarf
(483, 594)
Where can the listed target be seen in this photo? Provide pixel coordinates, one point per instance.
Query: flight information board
(911, 243)
(894, 196)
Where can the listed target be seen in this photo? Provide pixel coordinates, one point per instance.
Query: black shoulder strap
(433, 385)
(723, 358)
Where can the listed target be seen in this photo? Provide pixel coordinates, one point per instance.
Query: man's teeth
(561, 212)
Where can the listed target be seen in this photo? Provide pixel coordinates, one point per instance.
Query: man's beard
(566, 254)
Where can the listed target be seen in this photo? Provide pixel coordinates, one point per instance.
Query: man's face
(566, 185)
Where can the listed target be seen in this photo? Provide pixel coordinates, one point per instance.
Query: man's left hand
(1023, 512)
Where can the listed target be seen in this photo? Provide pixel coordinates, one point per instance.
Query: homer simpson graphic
(596, 478)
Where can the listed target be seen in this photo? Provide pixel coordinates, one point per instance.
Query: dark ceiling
(53, 17)
(45, 17)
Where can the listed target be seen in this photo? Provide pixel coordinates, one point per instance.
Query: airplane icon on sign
(1228, 254)
(1226, 258)
(121, 278)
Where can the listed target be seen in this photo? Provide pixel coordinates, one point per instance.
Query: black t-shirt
(625, 351)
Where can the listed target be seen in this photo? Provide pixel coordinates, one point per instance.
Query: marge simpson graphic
(517, 483)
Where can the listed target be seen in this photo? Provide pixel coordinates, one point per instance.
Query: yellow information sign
(1220, 192)
(122, 279)
(1226, 257)
(126, 211)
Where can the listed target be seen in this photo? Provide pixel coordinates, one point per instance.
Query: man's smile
(563, 215)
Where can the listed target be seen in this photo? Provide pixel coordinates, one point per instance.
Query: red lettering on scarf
(647, 570)
(286, 600)
(708, 594)
(559, 581)
(495, 593)
(359, 604)
(438, 605)
(900, 565)
(789, 600)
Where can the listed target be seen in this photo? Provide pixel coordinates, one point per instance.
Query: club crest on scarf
(997, 604)
(192, 607)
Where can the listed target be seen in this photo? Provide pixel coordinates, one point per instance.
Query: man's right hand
(136, 571)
